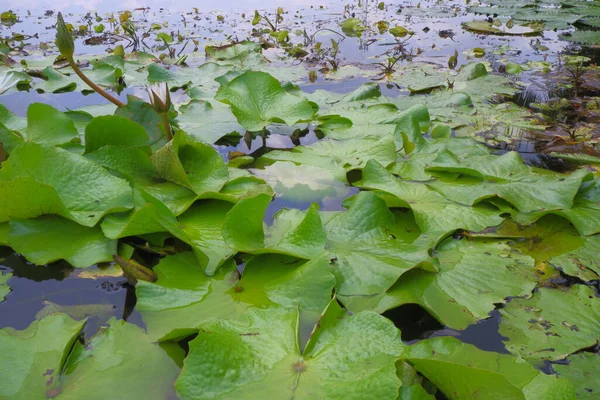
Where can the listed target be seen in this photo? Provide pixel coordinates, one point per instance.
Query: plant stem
(94, 87)
(167, 126)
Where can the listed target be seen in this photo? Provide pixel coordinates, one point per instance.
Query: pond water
(438, 35)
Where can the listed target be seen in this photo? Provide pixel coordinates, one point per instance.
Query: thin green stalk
(94, 87)
(66, 46)
(167, 125)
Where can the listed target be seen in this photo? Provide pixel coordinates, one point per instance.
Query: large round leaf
(350, 357)
(257, 99)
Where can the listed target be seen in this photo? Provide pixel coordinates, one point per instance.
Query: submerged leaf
(135, 271)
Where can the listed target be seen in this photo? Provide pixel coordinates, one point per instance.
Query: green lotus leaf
(191, 163)
(553, 17)
(485, 27)
(581, 262)
(513, 68)
(10, 120)
(184, 297)
(288, 282)
(360, 120)
(552, 324)
(338, 156)
(55, 82)
(584, 37)
(115, 69)
(472, 71)
(352, 27)
(363, 256)
(433, 212)
(175, 79)
(86, 191)
(4, 228)
(234, 50)
(582, 371)
(446, 362)
(550, 236)
(412, 166)
(33, 358)
(528, 189)
(10, 79)
(127, 359)
(112, 130)
(51, 238)
(472, 277)
(584, 214)
(144, 114)
(364, 250)
(257, 100)
(203, 224)
(552, 240)
(149, 215)
(24, 197)
(45, 125)
(419, 77)
(363, 92)
(292, 233)
(135, 165)
(4, 287)
(347, 356)
(207, 121)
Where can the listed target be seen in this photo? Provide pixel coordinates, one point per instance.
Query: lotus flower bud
(160, 98)
(64, 40)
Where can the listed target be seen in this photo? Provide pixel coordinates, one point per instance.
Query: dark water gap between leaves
(35, 287)
(417, 324)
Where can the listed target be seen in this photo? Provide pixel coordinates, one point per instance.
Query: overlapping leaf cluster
(438, 221)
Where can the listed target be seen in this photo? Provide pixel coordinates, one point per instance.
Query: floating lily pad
(338, 156)
(552, 324)
(267, 360)
(446, 362)
(528, 189)
(485, 27)
(581, 371)
(51, 238)
(126, 357)
(433, 213)
(488, 272)
(257, 99)
(77, 188)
